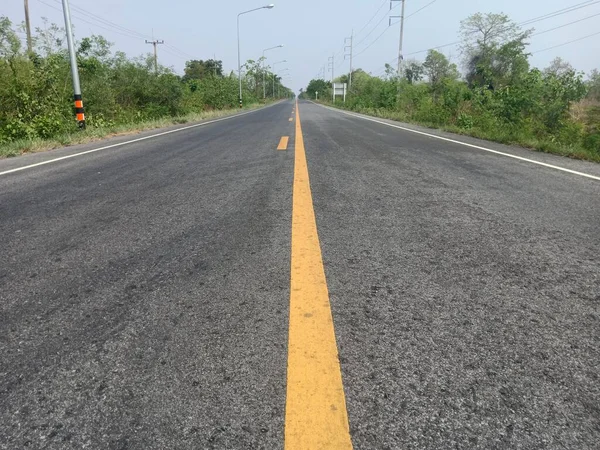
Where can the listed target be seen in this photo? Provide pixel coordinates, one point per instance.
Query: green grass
(22, 146)
(529, 142)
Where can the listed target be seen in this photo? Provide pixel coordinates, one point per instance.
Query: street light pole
(263, 64)
(279, 85)
(274, 64)
(238, 39)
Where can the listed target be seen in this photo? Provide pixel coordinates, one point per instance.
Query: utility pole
(351, 47)
(400, 55)
(74, 71)
(331, 66)
(28, 27)
(155, 43)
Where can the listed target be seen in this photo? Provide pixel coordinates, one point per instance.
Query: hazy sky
(313, 30)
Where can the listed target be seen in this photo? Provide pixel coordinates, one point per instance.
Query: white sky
(313, 30)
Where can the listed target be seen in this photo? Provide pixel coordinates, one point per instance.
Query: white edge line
(574, 172)
(42, 163)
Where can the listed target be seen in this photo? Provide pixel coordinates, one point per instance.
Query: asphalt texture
(144, 290)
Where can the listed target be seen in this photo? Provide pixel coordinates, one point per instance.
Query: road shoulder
(586, 167)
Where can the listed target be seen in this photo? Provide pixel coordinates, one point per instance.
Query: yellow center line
(315, 415)
(283, 143)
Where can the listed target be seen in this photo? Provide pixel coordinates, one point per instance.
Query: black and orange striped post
(79, 111)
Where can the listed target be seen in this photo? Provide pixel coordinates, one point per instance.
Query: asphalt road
(145, 288)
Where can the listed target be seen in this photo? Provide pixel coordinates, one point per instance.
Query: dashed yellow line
(283, 143)
(316, 416)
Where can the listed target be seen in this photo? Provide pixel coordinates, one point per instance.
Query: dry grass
(580, 111)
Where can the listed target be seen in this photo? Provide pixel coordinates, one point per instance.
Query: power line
(421, 9)
(362, 29)
(565, 25)
(371, 19)
(382, 70)
(172, 53)
(107, 22)
(375, 27)
(524, 23)
(114, 27)
(180, 52)
(126, 34)
(527, 22)
(566, 43)
(385, 31)
(371, 44)
(560, 12)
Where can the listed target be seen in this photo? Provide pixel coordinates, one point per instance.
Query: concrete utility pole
(400, 55)
(28, 27)
(74, 71)
(331, 66)
(351, 47)
(155, 43)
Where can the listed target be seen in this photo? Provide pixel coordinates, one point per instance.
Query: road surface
(177, 292)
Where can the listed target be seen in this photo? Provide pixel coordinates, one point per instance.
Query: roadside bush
(36, 97)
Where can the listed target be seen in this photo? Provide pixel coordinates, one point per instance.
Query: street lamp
(274, 64)
(280, 73)
(238, 36)
(263, 62)
(285, 78)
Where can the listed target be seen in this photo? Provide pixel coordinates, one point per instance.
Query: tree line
(36, 92)
(498, 96)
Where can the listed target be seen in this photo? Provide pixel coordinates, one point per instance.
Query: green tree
(10, 45)
(391, 73)
(199, 69)
(50, 39)
(594, 85)
(321, 86)
(558, 67)
(413, 71)
(438, 69)
(494, 49)
(480, 32)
